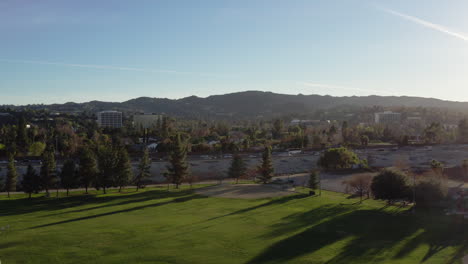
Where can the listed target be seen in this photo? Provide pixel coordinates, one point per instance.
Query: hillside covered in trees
(253, 104)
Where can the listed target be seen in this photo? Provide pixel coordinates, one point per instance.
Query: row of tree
(109, 167)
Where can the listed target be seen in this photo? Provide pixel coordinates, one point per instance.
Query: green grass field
(157, 226)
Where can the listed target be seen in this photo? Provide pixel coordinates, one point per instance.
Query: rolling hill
(250, 104)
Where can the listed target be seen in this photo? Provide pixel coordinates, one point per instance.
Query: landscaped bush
(390, 185)
(429, 193)
(338, 158)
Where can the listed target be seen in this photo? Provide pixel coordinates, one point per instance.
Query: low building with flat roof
(145, 120)
(110, 119)
(387, 117)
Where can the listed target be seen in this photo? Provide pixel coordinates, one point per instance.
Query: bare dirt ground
(243, 191)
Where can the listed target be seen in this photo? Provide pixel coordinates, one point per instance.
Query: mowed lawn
(157, 226)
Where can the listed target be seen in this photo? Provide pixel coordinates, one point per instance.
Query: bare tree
(360, 184)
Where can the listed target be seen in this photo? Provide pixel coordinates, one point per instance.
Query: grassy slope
(154, 226)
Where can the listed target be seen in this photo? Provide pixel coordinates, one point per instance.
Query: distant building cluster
(146, 120)
(109, 119)
(387, 117)
(307, 122)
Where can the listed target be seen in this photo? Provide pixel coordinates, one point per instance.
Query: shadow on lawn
(26, 206)
(274, 201)
(9, 245)
(176, 200)
(369, 234)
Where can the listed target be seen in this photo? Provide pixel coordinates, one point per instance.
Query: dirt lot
(243, 191)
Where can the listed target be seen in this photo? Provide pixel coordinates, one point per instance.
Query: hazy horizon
(178, 98)
(64, 51)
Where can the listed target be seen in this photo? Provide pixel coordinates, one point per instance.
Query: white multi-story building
(145, 120)
(111, 119)
(387, 117)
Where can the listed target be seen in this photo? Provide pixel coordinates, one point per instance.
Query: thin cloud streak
(340, 87)
(106, 67)
(427, 24)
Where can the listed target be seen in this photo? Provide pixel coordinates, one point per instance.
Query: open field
(157, 226)
(244, 191)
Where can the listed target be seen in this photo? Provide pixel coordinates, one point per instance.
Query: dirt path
(243, 191)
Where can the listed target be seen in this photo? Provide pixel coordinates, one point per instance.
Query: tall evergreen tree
(165, 127)
(238, 168)
(266, 169)
(48, 170)
(313, 180)
(30, 182)
(143, 170)
(87, 167)
(12, 175)
(68, 175)
(178, 168)
(107, 160)
(123, 168)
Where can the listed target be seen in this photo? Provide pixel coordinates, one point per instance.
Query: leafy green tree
(390, 185)
(11, 140)
(345, 131)
(11, 177)
(237, 168)
(463, 130)
(433, 133)
(277, 129)
(465, 170)
(123, 169)
(48, 171)
(144, 167)
(87, 167)
(2, 183)
(387, 134)
(68, 175)
(266, 170)
(437, 167)
(331, 133)
(31, 181)
(338, 158)
(37, 148)
(364, 140)
(178, 168)
(165, 127)
(428, 193)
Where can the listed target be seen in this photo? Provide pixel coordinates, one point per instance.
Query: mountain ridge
(250, 103)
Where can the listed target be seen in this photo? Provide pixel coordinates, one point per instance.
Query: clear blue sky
(63, 50)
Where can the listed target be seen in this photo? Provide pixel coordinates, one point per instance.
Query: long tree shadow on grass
(135, 198)
(369, 236)
(26, 206)
(440, 234)
(270, 202)
(152, 205)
